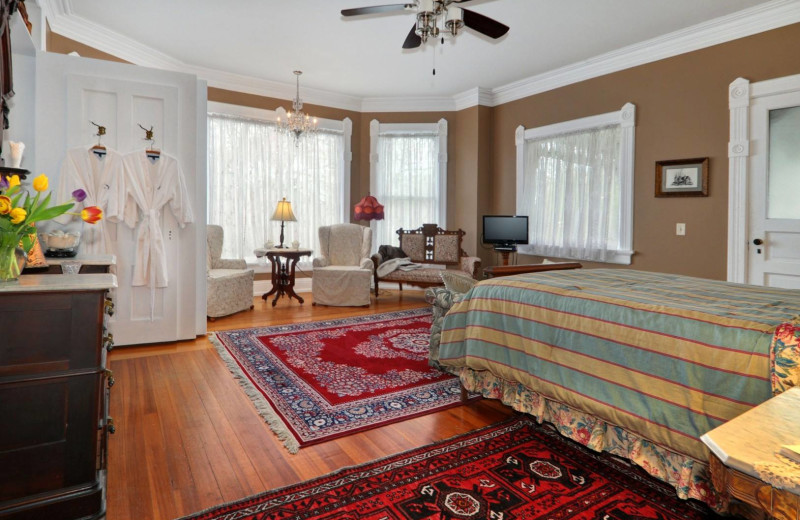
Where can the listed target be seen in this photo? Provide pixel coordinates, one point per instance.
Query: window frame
(376, 128)
(626, 119)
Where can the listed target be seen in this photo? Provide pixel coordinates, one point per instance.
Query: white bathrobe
(102, 178)
(151, 185)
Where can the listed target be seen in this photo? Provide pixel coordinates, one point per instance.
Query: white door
(73, 92)
(773, 249)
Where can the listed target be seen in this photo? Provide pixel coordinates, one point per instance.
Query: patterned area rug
(511, 471)
(313, 382)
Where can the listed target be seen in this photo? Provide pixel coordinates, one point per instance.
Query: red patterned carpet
(316, 381)
(511, 471)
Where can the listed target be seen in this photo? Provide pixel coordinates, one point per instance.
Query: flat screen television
(505, 230)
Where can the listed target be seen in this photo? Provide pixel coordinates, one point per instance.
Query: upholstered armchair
(343, 272)
(230, 282)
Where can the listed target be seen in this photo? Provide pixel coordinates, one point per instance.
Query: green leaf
(49, 213)
(27, 242)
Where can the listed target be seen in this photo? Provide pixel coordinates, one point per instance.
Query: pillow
(457, 282)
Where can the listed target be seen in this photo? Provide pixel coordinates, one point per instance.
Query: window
(575, 183)
(251, 166)
(408, 175)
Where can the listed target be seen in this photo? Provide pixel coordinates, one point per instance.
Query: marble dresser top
(59, 282)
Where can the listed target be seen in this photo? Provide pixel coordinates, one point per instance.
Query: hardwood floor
(188, 437)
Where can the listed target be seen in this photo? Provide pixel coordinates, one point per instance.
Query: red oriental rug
(316, 381)
(511, 471)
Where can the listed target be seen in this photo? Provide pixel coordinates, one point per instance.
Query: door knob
(758, 241)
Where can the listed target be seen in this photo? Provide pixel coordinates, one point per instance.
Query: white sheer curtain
(571, 193)
(407, 184)
(251, 166)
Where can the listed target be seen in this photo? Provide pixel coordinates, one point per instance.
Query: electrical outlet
(680, 229)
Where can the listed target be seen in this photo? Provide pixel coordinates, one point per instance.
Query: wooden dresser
(54, 396)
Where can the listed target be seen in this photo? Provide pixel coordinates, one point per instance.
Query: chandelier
(297, 122)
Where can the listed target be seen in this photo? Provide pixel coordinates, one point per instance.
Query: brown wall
(682, 112)
(63, 45)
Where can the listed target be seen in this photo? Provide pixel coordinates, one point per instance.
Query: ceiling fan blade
(412, 40)
(484, 24)
(376, 9)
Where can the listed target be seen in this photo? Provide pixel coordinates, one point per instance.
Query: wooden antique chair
(429, 244)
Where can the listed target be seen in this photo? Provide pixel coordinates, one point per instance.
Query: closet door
(122, 106)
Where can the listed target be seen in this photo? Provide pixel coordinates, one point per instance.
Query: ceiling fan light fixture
(454, 20)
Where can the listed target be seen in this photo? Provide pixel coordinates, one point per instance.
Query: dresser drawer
(50, 332)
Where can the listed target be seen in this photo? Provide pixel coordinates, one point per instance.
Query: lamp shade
(369, 209)
(284, 212)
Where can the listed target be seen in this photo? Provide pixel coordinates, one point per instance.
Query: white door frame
(741, 94)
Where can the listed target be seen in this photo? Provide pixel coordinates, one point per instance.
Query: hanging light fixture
(297, 122)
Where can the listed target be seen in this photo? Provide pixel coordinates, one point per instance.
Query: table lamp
(369, 209)
(283, 213)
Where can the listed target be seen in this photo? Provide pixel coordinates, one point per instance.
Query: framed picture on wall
(682, 178)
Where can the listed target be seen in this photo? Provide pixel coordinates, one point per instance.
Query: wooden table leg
(276, 265)
(289, 288)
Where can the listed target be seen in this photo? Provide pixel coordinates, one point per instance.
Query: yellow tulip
(18, 215)
(13, 181)
(5, 205)
(40, 183)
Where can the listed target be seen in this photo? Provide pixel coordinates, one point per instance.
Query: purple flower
(79, 195)
(3, 182)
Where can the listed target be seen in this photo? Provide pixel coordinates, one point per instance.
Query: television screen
(505, 229)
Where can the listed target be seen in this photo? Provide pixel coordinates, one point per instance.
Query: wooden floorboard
(188, 438)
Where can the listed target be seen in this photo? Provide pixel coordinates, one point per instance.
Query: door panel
(773, 256)
(122, 106)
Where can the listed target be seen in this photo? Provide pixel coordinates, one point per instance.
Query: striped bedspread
(668, 357)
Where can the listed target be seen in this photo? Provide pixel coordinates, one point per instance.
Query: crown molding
(409, 104)
(763, 17)
(99, 37)
(770, 15)
(55, 7)
(474, 97)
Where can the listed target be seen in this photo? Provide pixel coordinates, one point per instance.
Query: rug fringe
(263, 407)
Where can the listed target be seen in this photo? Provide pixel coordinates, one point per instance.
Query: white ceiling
(252, 41)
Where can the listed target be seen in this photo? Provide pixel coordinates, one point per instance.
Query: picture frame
(682, 178)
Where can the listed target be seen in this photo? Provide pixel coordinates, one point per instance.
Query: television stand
(505, 251)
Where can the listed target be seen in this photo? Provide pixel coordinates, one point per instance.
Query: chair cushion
(344, 245)
(457, 281)
(425, 275)
(341, 285)
(219, 274)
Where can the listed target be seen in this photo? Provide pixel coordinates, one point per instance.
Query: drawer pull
(110, 378)
(108, 342)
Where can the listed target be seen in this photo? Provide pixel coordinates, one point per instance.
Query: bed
(634, 363)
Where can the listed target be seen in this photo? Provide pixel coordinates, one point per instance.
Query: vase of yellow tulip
(19, 211)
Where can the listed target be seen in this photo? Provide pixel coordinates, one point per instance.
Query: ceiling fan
(429, 15)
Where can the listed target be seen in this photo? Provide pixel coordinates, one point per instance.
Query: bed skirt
(689, 477)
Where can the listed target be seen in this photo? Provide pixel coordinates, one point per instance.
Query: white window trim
(439, 128)
(626, 118)
(270, 116)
